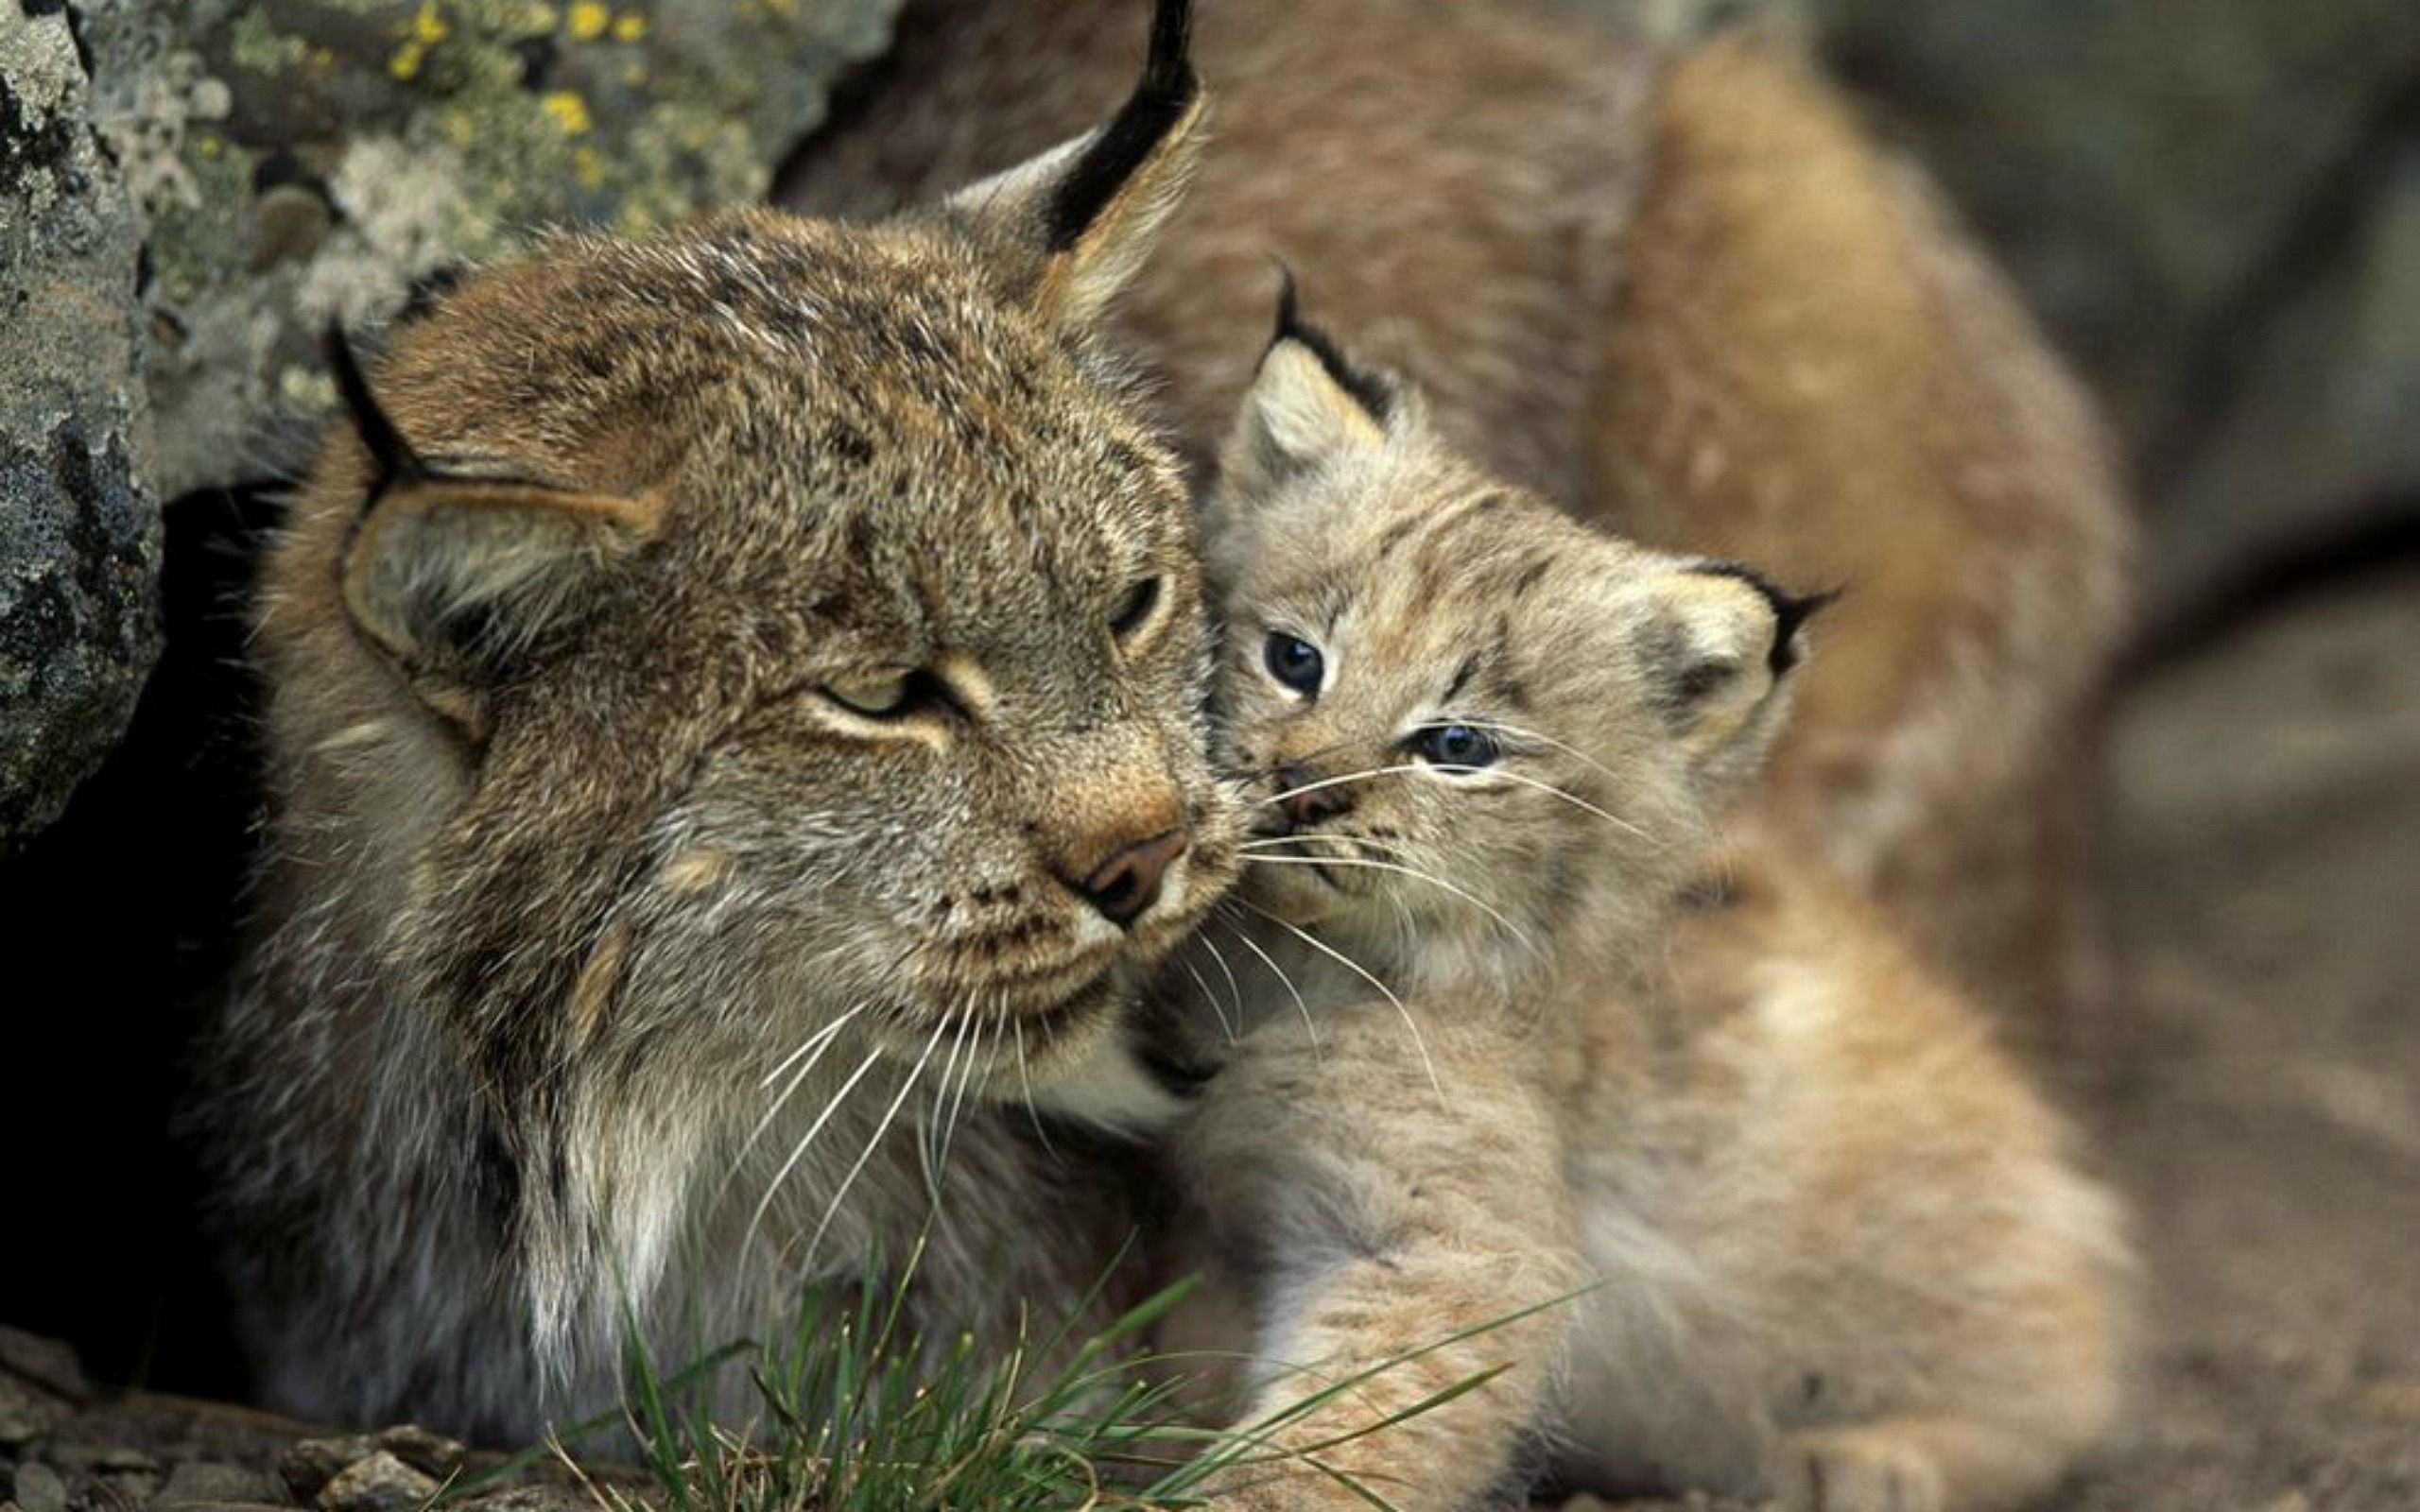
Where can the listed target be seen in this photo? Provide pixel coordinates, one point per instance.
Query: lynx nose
(1307, 802)
(1128, 882)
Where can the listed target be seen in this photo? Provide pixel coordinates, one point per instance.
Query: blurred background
(2213, 205)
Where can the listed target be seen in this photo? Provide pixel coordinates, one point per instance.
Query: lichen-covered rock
(80, 524)
(191, 189)
(302, 161)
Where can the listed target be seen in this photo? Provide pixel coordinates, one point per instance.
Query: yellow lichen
(569, 111)
(589, 18)
(428, 27)
(588, 168)
(631, 27)
(408, 59)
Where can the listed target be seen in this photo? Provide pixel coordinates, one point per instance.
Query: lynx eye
(876, 695)
(1140, 601)
(1454, 746)
(1294, 662)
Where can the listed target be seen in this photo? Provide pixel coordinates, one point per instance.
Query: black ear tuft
(1161, 97)
(1375, 396)
(1790, 610)
(390, 452)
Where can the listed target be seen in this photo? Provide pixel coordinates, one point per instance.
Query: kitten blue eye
(1454, 746)
(1293, 661)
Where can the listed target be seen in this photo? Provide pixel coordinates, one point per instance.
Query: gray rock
(80, 524)
(178, 229)
(302, 161)
(382, 1482)
(39, 1490)
(311, 1465)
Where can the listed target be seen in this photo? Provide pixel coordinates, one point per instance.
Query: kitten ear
(1078, 220)
(455, 577)
(1308, 403)
(1728, 641)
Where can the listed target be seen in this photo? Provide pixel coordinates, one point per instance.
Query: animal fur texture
(1732, 1192)
(736, 736)
(1688, 297)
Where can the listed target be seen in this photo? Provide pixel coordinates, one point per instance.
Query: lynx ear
(455, 577)
(1079, 218)
(1308, 403)
(1726, 640)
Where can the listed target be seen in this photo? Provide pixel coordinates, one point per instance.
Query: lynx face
(1467, 718)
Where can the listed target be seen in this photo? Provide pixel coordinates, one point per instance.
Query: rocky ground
(2257, 1094)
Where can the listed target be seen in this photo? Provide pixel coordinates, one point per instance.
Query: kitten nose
(1309, 808)
(1128, 882)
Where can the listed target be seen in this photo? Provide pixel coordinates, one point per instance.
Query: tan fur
(1838, 1250)
(1691, 298)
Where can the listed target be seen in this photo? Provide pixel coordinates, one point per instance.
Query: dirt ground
(2256, 1090)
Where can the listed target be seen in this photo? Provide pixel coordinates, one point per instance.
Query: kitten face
(1466, 717)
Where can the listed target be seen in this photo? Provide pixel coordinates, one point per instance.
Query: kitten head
(778, 627)
(1474, 724)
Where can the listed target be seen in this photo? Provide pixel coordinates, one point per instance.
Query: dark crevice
(122, 919)
(2381, 538)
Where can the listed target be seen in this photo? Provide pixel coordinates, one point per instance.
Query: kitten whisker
(1234, 988)
(1574, 799)
(1527, 940)
(1364, 972)
(1226, 1025)
(1338, 781)
(1302, 1007)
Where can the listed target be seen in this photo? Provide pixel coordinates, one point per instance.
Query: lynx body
(1734, 1194)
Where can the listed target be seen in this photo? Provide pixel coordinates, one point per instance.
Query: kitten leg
(1379, 1219)
(1911, 1464)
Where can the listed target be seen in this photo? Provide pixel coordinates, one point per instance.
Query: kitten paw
(1850, 1469)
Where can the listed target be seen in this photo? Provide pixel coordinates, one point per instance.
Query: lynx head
(1475, 725)
(696, 644)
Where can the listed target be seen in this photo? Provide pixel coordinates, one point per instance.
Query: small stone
(311, 1463)
(2398, 1399)
(431, 1454)
(382, 1482)
(39, 1490)
(26, 1414)
(131, 1475)
(44, 1362)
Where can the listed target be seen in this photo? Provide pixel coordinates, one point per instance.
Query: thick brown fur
(1727, 1190)
(1689, 298)
(735, 735)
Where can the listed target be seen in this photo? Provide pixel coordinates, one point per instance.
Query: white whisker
(840, 1194)
(773, 1187)
(1338, 782)
(1349, 962)
(1509, 927)
(1253, 945)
